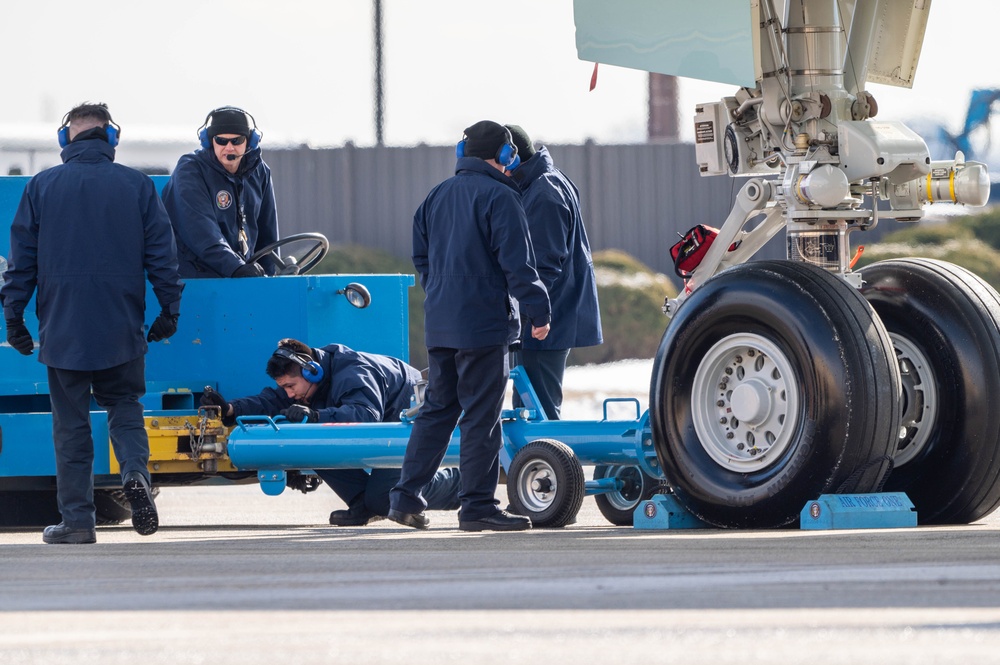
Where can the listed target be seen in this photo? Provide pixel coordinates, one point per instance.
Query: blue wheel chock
(886, 510)
(664, 511)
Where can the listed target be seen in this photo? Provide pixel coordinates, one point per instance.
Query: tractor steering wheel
(296, 263)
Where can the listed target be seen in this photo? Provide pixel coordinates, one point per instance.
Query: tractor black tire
(546, 483)
(945, 324)
(24, 508)
(775, 382)
(619, 506)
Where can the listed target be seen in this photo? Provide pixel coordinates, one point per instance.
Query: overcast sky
(305, 69)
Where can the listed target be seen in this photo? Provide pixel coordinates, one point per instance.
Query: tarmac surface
(234, 576)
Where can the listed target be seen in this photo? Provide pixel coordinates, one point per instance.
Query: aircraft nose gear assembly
(779, 381)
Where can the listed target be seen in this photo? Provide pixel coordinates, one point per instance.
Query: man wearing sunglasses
(221, 201)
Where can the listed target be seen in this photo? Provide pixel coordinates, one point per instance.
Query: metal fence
(636, 198)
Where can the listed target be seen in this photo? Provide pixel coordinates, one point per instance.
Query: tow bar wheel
(546, 483)
(619, 506)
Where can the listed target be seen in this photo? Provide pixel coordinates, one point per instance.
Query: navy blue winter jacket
(472, 251)
(562, 254)
(356, 388)
(87, 233)
(207, 205)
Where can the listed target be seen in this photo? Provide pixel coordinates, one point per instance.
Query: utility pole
(663, 123)
(379, 93)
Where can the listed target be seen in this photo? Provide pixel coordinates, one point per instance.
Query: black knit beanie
(484, 139)
(523, 142)
(229, 121)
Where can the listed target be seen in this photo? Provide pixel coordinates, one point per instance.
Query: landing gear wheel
(637, 486)
(299, 262)
(546, 482)
(944, 323)
(775, 382)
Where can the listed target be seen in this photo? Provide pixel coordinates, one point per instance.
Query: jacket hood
(90, 150)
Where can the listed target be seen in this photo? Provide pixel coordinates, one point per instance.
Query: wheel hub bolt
(729, 435)
(541, 485)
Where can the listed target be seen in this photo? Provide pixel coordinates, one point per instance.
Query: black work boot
(145, 520)
(354, 516)
(60, 534)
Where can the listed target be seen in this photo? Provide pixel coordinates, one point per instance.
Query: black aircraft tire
(945, 323)
(546, 482)
(775, 382)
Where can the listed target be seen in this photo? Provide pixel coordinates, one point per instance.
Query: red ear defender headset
(506, 155)
(112, 129)
(312, 371)
(206, 142)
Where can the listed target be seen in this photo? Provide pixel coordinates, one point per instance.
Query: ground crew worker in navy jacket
(335, 384)
(86, 234)
(473, 253)
(562, 256)
(221, 201)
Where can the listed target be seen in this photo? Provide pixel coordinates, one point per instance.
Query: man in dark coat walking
(86, 234)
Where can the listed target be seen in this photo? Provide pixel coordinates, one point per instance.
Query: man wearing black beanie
(562, 256)
(221, 201)
(472, 250)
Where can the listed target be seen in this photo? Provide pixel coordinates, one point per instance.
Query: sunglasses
(239, 140)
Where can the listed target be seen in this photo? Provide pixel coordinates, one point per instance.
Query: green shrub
(960, 244)
(631, 303)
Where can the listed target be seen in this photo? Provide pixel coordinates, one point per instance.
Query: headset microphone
(233, 158)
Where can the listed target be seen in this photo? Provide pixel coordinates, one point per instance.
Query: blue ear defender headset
(506, 155)
(312, 371)
(111, 128)
(206, 141)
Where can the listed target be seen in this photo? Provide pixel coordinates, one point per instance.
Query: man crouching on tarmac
(335, 384)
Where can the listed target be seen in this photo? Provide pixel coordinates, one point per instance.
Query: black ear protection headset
(312, 371)
(206, 142)
(111, 128)
(506, 154)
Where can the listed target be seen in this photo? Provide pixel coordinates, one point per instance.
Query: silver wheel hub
(744, 402)
(920, 400)
(537, 485)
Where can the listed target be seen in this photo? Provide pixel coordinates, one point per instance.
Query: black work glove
(249, 270)
(212, 398)
(297, 413)
(19, 337)
(163, 327)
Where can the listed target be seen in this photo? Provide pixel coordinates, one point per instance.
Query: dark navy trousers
(545, 370)
(117, 390)
(473, 381)
(358, 487)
